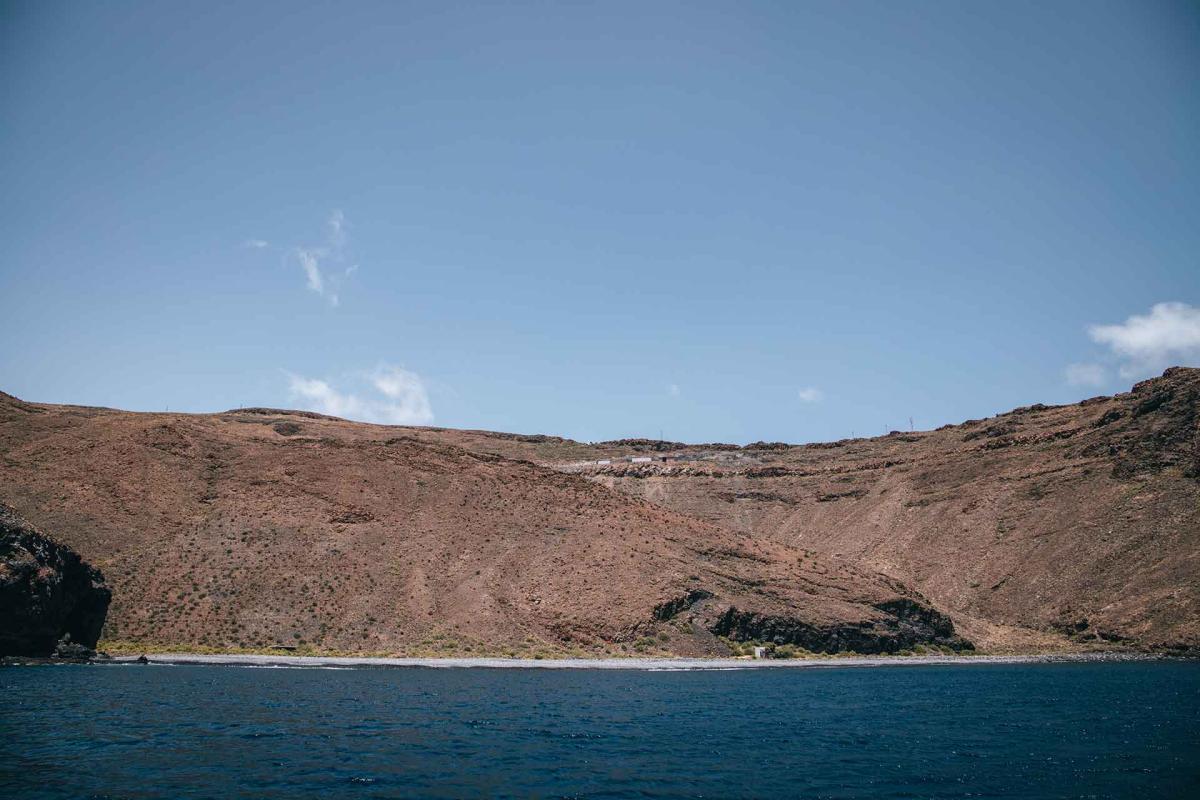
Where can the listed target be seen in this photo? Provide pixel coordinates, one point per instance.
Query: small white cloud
(310, 262)
(810, 394)
(1168, 336)
(405, 390)
(673, 389)
(1086, 375)
(320, 396)
(256, 244)
(389, 395)
(323, 265)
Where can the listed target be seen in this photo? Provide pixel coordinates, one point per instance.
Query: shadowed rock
(902, 624)
(50, 600)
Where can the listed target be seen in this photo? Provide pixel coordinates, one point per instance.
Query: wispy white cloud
(324, 265)
(673, 389)
(256, 244)
(1168, 336)
(810, 394)
(310, 261)
(388, 395)
(1086, 375)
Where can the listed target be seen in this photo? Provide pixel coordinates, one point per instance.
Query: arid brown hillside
(1041, 526)
(256, 528)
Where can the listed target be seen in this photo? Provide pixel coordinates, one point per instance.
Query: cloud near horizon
(810, 394)
(1168, 336)
(388, 395)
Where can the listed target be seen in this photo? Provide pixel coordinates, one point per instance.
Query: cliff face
(258, 528)
(1068, 524)
(47, 593)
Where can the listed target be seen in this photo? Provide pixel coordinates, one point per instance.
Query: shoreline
(643, 664)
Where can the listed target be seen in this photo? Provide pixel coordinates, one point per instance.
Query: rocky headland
(51, 602)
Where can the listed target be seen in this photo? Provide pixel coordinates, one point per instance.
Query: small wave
(286, 666)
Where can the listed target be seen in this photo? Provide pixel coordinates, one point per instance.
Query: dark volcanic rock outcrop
(903, 624)
(47, 593)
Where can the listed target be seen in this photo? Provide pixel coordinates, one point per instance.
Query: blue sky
(729, 222)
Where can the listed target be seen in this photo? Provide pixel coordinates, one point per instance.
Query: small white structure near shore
(760, 652)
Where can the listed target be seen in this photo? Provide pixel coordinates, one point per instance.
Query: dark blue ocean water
(1120, 730)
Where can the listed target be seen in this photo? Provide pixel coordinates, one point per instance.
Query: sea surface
(1108, 730)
